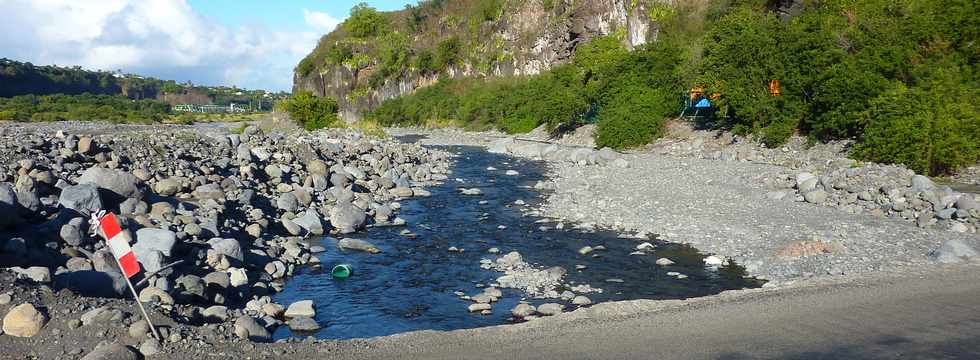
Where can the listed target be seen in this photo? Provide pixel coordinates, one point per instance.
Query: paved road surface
(932, 316)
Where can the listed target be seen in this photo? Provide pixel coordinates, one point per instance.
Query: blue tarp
(704, 103)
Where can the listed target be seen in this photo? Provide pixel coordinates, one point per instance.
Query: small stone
(954, 251)
(216, 313)
(479, 307)
(237, 277)
(550, 309)
(357, 244)
(151, 293)
(581, 301)
(402, 192)
(713, 261)
(815, 197)
(645, 247)
(150, 347)
(138, 329)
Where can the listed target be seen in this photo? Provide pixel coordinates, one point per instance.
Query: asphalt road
(935, 315)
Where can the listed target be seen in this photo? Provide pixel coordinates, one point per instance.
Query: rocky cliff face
(529, 38)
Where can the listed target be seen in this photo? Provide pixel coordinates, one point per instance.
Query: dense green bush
(309, 111)
(634, 119)
(925, 128)
(447, 53)
(393, 55)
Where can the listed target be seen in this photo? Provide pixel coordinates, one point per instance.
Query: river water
(410, 285)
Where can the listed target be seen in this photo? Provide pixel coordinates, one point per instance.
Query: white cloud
(320, 20)
(161, 38)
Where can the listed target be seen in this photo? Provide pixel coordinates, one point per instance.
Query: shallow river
(410, 285)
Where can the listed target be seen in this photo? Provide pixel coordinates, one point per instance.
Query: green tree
(365, 22)
(311, 112)
(925, 128)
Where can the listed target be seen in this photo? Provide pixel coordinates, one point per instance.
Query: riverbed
(415, 282)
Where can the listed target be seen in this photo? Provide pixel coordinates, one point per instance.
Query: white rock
(713, 261)
(302, 308)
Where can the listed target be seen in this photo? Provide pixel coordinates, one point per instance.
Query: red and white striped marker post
(118, 242)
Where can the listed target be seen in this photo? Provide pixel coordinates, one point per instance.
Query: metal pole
(153, 330)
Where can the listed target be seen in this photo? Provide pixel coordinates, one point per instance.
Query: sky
(251, 44)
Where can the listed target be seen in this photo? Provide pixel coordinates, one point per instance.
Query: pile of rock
(883, 191)
(822, 174)
(536, 283)
(555, 152)
(232, 210)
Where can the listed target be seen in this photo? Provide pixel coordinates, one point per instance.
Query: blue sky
(247, 43)
(286, 15)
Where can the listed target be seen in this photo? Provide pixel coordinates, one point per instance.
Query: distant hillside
(24, 78)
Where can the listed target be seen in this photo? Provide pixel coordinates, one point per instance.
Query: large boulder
(121, 183)
(209, 191)
(806, 182)
(317, 167)
(93, 283)
(112, 351)
(83, 198)
(23, 321)
(150, 239)
(303, 324)
(27, 195)
(287, 202)
(966, 202)
(192, 285)
(73, 233)
(551, 309)
(347, 218)
(152, 260)
(247, 328)
(357, 244)
(303, 308)
(167, 187)
(228, 247)
(8, 205)
(310, 221)
(38, 274)
(523, 310)
(922, 183)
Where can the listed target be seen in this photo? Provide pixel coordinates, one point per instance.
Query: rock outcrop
(529, 37)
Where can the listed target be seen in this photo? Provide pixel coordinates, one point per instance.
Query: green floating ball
(341, 271)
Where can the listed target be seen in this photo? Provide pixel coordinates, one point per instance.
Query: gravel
(724, 205)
